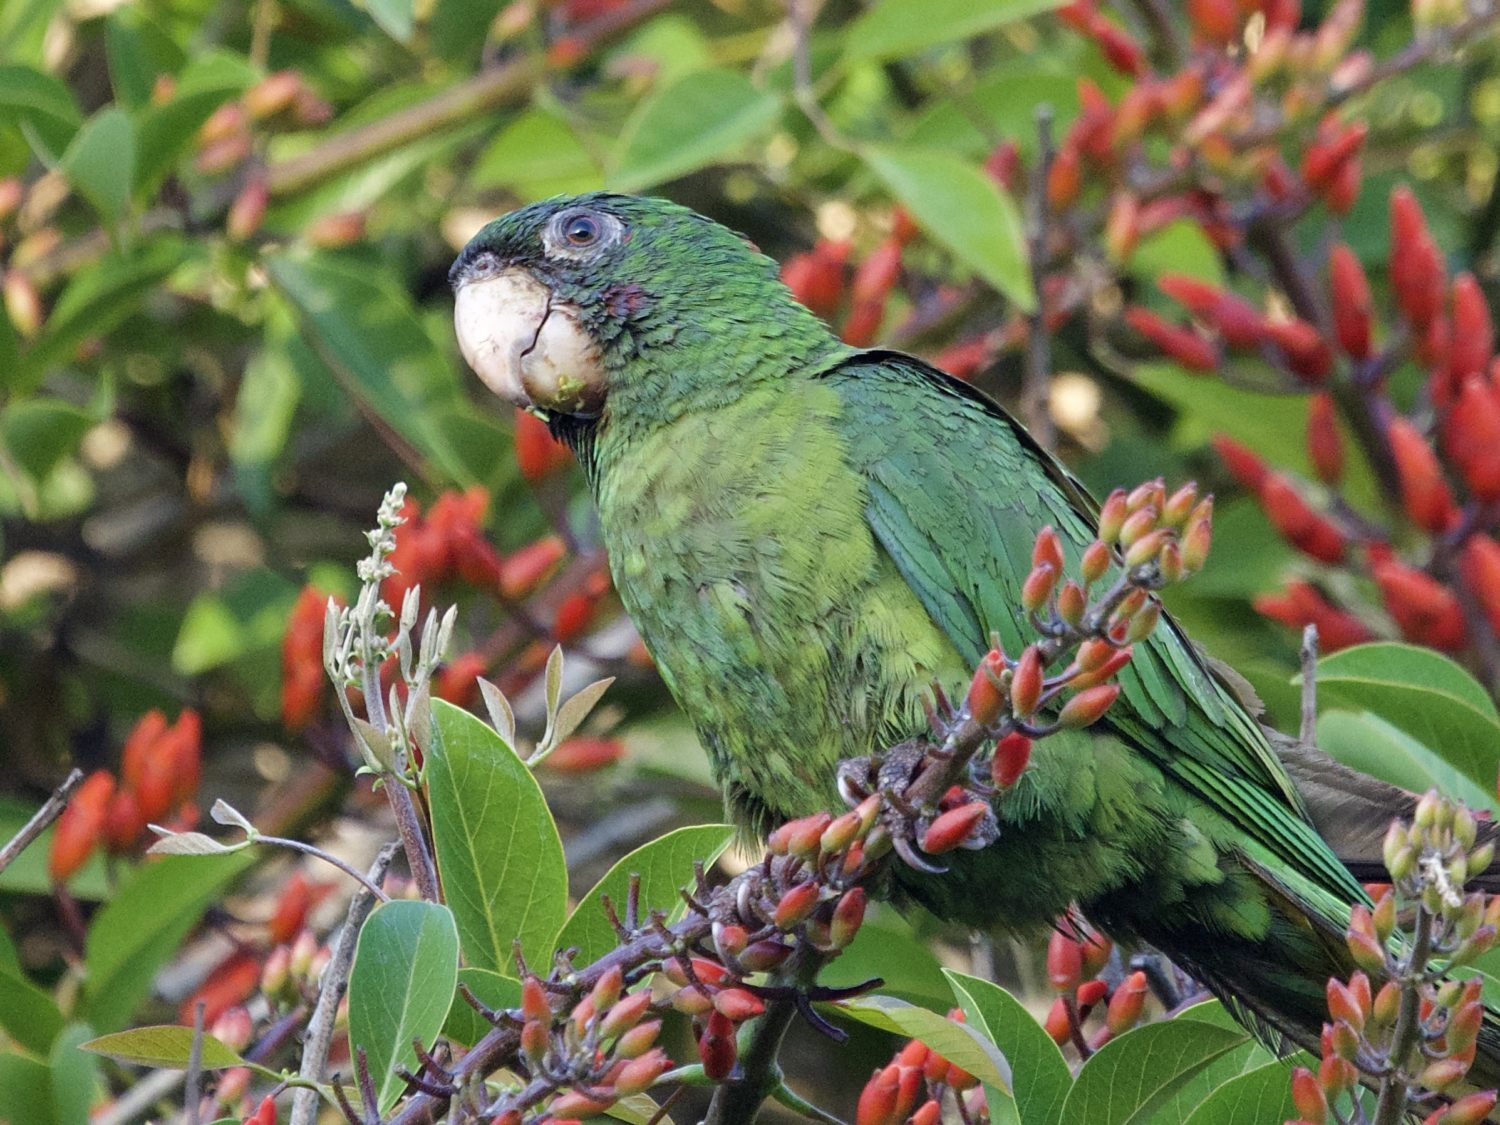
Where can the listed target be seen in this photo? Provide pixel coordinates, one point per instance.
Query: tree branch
(45, 815)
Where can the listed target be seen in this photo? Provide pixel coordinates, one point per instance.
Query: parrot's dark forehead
(517, 237)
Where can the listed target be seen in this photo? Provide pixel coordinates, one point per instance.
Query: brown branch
(45, 815)
(1036, 382)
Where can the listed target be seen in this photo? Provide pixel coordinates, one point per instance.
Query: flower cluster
(1435, 560)
(914, 1084)
(1402, 1022)
(160, 767)
(1078, 958)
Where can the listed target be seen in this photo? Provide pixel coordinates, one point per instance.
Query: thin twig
(1037, 380)
(192, 1102)
(1392, 1106)
(335, 980)
(326, 857)
(800, 15)
(1307, 729)
(45, 815)
(413, 838)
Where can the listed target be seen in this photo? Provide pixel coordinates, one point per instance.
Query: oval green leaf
(959, 1043)
(163, 1045)
(690, 124)
(1131, 1077)
(1425, 694)
(1261, 1095)
(139, 930)
(901, 27)
(498, 850)
(964, 210)
(400, 988)
(664, 865)
(100, 163)
(1042, 1077)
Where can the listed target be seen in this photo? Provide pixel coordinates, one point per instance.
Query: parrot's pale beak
(527, 346)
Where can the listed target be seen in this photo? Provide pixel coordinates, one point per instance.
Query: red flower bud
(848, 915)
(1184, 345)
(1325, 448)
(1424, 492)
(522, 571)
(1351, 301)
(1088, 706)
(1057, 1025)
(247, 210)
(1479, 565)
(952, 828)
(1112, 516)
(1064, 178)
(1307, 1096)
(1127, 1004)
(1416, 264)
(1047, 549)
(738, 1005)
(1473, 331)
(1012, 753)
(583, 754)
(1302, 605)
(1235, 319)
(641, 1073)
(1327, 155)
(1026, 682)
(1245, 466)
(574, 1105)
(1342, 1005)
(1038, 587)
(534, 1003)
(1302, 345)
(1216, 22)
(877, 274)
(877, 1101)
(1471, 433)
(985, 700)
(816, 278)
(717, 1048)
(929, 1113)
(538, 453)
(1471, 1109)
(1303, 528)
(265, 1113)
(1064, 961)
(123, 823)
(795, 905)
(1423, 608)
(863, 323)
(80, 828)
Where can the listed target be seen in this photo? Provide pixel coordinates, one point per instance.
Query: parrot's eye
(581, 230)
(580, 233)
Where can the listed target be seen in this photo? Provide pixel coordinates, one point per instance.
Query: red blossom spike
(1243, 464)
(80, 828)
(1302, 345)
(1473, 332)
(1479, 566)
(1184, 345)
(1012, 753)
(1422, 607)
(1352, 304)
(953, 828)
(1471, 433)
(1302, 527)
(1325, 448)
(1088, 706)
(1424, 493)
(1064, 962)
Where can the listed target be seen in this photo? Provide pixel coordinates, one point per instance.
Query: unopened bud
(1127, 1004)
(641, 1073)
(952, 828)
(1038, 587)
(1095, 562)
(1012, 753)
(847, 917)
(625, 1014)
(1064, 962)
(1137, 525)
(1026, 683)
(638, 1039)
(1071, 603)
(716, 1047)
(1112, 516)
(795, 905)
(738, 1004)
(1088, 706)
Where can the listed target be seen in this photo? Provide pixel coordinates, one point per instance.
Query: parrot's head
(561, 303)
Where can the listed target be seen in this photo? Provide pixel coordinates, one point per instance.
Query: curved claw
(912, 859)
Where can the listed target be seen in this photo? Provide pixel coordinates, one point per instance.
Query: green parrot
(808, 535)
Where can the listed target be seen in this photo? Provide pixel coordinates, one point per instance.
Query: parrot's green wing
(957, 492)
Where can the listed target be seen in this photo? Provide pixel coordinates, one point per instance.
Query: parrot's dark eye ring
(581, 233)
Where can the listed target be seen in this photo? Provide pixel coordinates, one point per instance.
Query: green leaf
(900, 27)
(139, 930)
(221, 626)
(163, 1045)
(537, 154)
(1129, 1078)
(41, 102)
(1179, 247)
(466, 1026)
(98, 298)
(1042, 1077)
(1368, 743)
(497, 848)
(100, 163)
(959, 1043)
(400, 987)
(28, 1014)
(75, 1076)
(262, 421)
(166, 132)
(689, 124)
(1230, 1065)
(664, 865)
(1258, 1096)
(40, 432)
(964, 210)
(1425, 694)
(362, 322)
(138, 50)
(25, 1091)
(395, 17)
